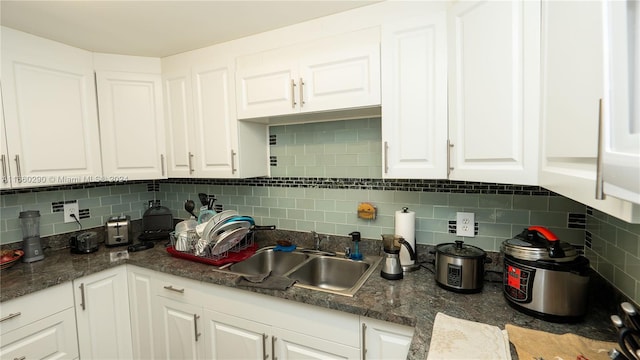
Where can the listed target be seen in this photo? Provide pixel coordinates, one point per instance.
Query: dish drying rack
(241, 251)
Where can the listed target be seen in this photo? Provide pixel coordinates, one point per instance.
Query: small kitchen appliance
(460, 267)
(157, 223)
(31, 243)
(545, 277)
(118, 230)
(85, 243)
(391, 268)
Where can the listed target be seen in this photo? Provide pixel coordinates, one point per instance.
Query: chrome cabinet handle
(386, 157)
(301, 93)
(17, 158)
(10, 316)
(233, 161)
(273, 347)
(265, 356)
(190, 164)
(364, 347)
(449, 167)
(293, 94)
(5, 178)
(171, 288)
(599, 178)
(162, 164)
(195, 325)
(82, 302)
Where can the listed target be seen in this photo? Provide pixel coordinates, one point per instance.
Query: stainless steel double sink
(316, 270)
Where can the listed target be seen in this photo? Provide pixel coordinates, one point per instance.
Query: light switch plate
(465, 224)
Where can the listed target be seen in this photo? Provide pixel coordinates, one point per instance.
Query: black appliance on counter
(545, 277)
(157, 224)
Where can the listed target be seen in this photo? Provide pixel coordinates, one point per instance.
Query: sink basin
(276, 262)
(333, 274)
(311, 270)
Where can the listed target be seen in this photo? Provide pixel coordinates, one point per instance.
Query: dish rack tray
(241, 251)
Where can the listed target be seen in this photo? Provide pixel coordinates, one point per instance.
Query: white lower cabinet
(384, 340)
(294, 345)
(229, 337)
(128, 312)
(178, 324)
(196, 320)
(39, 325)
(102, 315)
(141, 311)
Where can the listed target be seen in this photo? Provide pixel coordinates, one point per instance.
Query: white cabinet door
(340, 72)
(230, 337)
(204, 138)
(178, 112)
(53, 337)
(215, 123)
(179, 329)
(621, 116)
(384, 340)
(4, 152)
(414, 98)
(131, 125)
(572, 86)
(290, 345)
(50, 112)
(266, 84)
(141, 307)
(102, 314)
(493, 91)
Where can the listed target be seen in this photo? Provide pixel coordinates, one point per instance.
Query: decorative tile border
(418, 185)
(74, 187)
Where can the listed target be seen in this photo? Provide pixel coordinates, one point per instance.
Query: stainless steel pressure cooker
(545, 277)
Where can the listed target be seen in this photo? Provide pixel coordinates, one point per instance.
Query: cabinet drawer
(26, 309)
(177, 288)
(53, 337)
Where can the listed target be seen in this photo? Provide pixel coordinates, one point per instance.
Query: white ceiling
(159, 28)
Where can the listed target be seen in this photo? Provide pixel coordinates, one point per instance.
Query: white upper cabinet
(4, 152)
(205, 140)
(414, 97)
(621, 114)
(338, 72)
(494, 91)
(131, 118)
(572, 87)
(49, 112)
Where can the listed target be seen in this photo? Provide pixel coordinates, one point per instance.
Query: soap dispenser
(355, 237)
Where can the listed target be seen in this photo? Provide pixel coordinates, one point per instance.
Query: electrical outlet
(71, 208)
(465, 224)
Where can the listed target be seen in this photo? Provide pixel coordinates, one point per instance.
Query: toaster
(118, 231)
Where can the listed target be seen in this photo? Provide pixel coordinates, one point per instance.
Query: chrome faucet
(316, 238)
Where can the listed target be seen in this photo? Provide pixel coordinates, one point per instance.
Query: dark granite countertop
(413, 301)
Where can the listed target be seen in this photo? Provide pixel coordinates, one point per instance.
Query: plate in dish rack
(229, 239)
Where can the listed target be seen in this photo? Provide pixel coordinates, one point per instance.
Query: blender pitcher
(391, 268)
(31, 244)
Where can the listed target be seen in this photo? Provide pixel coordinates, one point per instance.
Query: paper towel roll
(406, 227)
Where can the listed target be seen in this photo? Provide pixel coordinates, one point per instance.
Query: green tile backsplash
(322, 172)
(333, 149)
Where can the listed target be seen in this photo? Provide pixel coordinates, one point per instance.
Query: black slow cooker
(545, 277)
